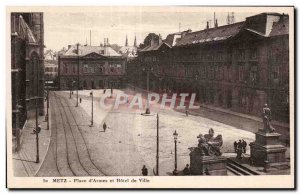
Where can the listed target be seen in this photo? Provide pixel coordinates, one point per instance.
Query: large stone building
(27, 65)
(27, 69)
(239, 66)
(99, 67)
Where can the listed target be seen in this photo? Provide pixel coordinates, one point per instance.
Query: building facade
(91, 67)
(240, 66)
(27, 66)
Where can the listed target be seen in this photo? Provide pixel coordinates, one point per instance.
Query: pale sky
(64, 28)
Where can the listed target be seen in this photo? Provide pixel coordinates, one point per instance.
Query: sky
(63, 28)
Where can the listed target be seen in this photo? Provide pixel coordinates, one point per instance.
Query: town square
(151, 92)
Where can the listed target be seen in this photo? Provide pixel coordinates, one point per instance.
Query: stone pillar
(267, 151)
(207, 165)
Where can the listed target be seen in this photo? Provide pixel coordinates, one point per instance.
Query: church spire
(134, 44)
(126, 43)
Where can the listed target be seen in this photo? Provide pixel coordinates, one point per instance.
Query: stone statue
(208, 145)
(267, 119)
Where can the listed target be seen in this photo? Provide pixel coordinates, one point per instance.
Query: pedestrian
(240, 143)
(104, 91)
(187, 112)
(104, 126)
(186, 170)
(80, 100)
(235, 146)
(244, 145)
(206, 172)
(239, 150)
(144, 171)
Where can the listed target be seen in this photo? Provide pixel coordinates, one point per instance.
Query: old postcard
(150, 97)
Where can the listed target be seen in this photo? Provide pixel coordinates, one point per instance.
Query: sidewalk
(24, 160)
(246, 116)
(258, 119)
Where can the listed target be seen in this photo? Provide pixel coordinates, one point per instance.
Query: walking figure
(80, 100)
(244, 145)
(239, 150)
(104, 91)
(186, 112)
(104, 126)
(144, 171)
(186, 170)
(235, 144)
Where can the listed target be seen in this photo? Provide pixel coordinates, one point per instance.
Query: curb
(49, 116)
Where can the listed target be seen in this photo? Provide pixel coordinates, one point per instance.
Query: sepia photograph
(150, 96)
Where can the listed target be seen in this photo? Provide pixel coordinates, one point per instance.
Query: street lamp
(148, 70)
(157, 145)
(71, 88)
(175, 134)
(47, 97)
(92, 122)
(77, 45)
(111, 89)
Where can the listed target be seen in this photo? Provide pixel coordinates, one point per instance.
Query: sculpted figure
(267, 119)
(208, 145)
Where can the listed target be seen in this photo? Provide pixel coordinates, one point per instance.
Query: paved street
(77, 149)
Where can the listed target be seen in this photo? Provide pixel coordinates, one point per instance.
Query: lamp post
(47, 97)
(92, 122)
(37, 126)
(111, 89)
(175, 134)
(148, 70)
(71, 89)
(77, 74)
(46, 86)
(197, 87)
(157, 145)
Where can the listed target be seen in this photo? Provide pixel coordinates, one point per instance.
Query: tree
(147, 40)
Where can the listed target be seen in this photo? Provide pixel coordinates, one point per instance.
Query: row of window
(50, 69)
(219, 72)
(240, 54)
(93, 68)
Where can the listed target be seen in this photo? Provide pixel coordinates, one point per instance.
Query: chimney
(185, 32)
(105, 45)
(207, 25)
(216, 23)
(159, 39)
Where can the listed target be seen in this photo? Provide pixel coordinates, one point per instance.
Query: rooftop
(85, 50)
(211, 34)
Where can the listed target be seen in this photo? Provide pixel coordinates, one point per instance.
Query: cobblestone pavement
(130, 140)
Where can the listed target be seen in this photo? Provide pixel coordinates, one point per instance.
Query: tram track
(80, 145)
